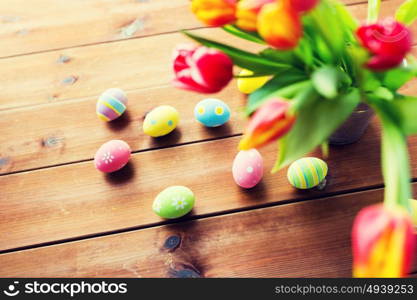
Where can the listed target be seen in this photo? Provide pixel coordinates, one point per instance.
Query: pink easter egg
(248, 168)
(112, 156)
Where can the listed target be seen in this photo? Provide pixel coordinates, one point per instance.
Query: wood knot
(172, 242)
(63, 59)
(70, 80)
(185, 273)
(4, 161)
(52, 141)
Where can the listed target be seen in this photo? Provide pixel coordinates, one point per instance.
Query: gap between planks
(102, 60)
(133, 37)
(132, 152)
(197, 217)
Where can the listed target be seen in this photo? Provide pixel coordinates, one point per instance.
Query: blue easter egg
(212, 112)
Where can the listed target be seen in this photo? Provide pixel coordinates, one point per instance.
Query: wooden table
(60, 217)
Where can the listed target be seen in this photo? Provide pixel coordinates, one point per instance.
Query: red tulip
(280, 26)
(214, 12)
(388, 41)
(383, 242)
(302, 6)
(270, 122)
(247, 13)
(201, 69)
(382, 63)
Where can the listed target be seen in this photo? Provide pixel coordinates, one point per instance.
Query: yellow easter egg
(249, 85)
(161, 121)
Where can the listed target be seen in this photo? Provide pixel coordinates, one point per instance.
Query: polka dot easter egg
(212, 112)
(111, 104)
(248, 168)
(174, 202)
(112, 156)
(307, 172)
(161, 121)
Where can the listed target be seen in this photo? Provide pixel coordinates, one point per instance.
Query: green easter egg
(307, 172)
(174, 202)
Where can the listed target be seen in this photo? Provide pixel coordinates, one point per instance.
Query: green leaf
(243, 59)
(253, 37)
(407, 12)
(406, 106)
(396, 78)
(328, 26)
(350, 23)
(373, 10)
(326, 81)
(317, 119)
(279, 86)
(383, 93)
(286, 57)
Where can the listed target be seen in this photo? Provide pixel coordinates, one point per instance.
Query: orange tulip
(247, 13)
(214, 12)
(280, 26)
(270, 122)
(383, 242)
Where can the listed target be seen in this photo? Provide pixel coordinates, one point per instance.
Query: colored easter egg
(248, 168)
(112, 156)
(174, 202)
(250, 84)
(212, 112)
(161, 121)
(111, 104)
(307, 172)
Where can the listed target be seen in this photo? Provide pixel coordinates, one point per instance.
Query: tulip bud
(280, 26)
(388, 41)
(201, 69)
(214, 12)
(247, 13)
(270, 122)
(302, 6)
(250, 84)
(383, 242)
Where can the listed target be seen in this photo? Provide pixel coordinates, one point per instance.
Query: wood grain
(53, 24)
(307, 239)
(87, 71)
(80, 133)
(76, 200)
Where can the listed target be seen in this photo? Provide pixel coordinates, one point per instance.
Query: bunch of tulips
(316, 64)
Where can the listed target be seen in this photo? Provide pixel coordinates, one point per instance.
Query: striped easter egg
(307, 172)
(111, 104)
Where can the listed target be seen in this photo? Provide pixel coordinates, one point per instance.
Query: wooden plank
(50, 24)
(87, 71)
(40, 25)
(80, 133)
(41, 143)
(81, 201)
(307, 239)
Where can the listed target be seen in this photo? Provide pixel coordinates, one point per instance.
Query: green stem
(395, 164)
(373, 10)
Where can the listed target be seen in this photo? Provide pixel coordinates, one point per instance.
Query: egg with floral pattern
(161, 121)
(112, 156)
(174, 202)
(248, 168)
(212, 112)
